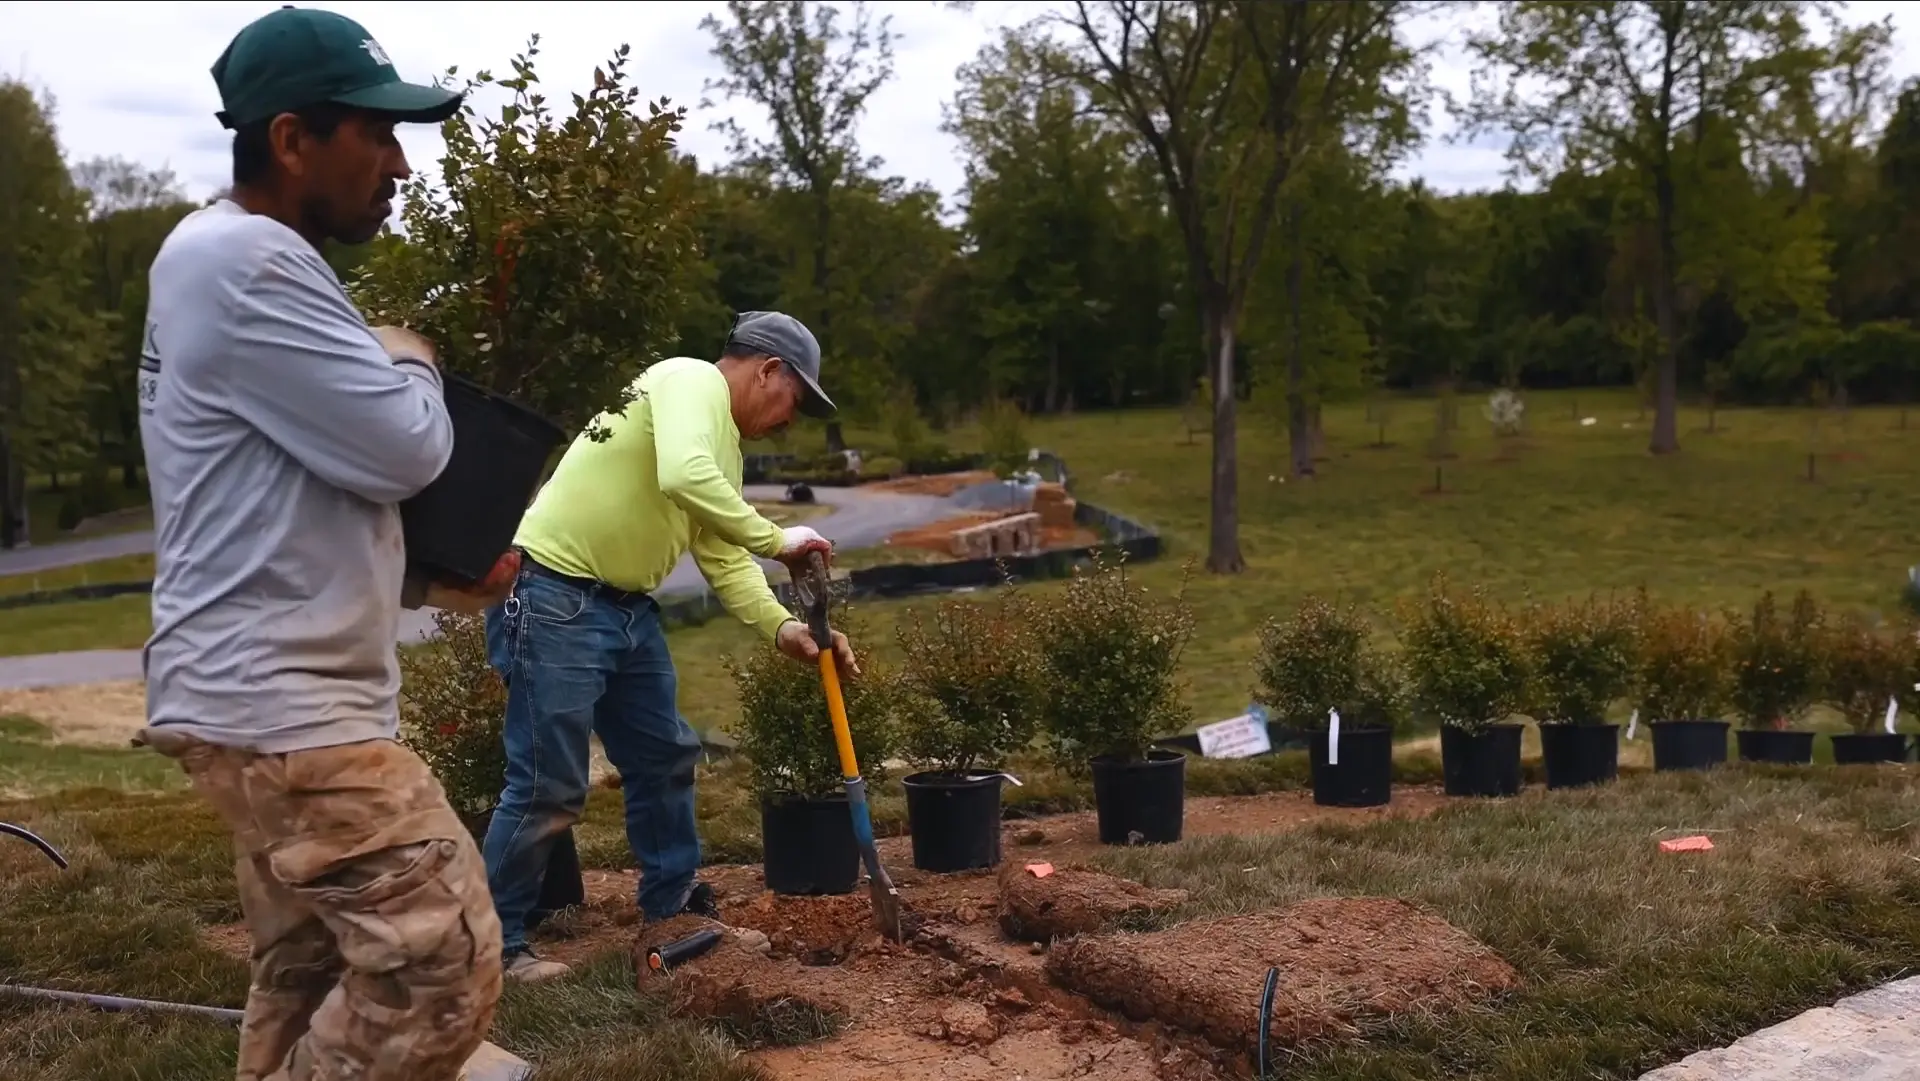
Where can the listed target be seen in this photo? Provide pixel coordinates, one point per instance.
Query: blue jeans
(580, 659)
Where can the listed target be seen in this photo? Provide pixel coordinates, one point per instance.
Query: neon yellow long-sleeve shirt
(666, 481)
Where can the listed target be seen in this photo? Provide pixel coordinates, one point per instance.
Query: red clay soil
(1071, 901)
(943, 484)
(1343, 961)
(934, 537)
(605, 923)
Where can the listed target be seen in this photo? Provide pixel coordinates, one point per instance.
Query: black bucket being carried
(458, 526)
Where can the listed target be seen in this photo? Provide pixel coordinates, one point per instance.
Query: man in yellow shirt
(579, 641)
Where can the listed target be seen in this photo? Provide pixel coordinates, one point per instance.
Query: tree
(49, 340)
(1637, 86)
(133, 210)
(813, 78)
(555, 265)
(1228, 97)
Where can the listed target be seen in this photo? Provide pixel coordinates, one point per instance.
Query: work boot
(700, 902)
(521, 966)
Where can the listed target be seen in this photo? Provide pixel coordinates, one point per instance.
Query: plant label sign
(1236, 737)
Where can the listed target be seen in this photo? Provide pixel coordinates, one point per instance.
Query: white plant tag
(1633, 724)
(1893, 712)
(1333, 737)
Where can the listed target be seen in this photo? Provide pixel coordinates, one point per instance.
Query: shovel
(811, 586)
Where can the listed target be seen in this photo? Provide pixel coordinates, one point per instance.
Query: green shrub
(1866, 668)
(1321, 660)
(908, 430)
(1465, 657)
(1581, 656)
(882, 468)
(1683, 663)
(452, 707)
(1112, 659)
(1777, 662)
(1005, 427)
(785, 730)
(976, 677)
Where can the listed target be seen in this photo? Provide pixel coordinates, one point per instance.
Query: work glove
(796, 641)
(798, 542)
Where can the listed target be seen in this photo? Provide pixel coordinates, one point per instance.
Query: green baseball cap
(295, 57)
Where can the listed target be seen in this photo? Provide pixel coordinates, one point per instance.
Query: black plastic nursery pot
(1689, 744)
(1482, 763)
(1855, 748)
(809, 848)
(1364, 775)
(1784, 748)
(1580, 754)
(458, 526)
(954, 819)
(563, 886)
(1140, 802)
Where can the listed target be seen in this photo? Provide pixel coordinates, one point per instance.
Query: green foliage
(1778, 663)
(910, 438)
(452, 709)
(1866, 668)
(976, 665)
(1465, 657)
(1005, 426)
(555, 261)
(1112, 661)
(1581, 656)
(1322, 659)
(52, 341)
(882, 468)
(787, 734)
(1683, 663)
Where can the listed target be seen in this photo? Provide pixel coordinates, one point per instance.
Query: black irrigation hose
(33, 839)
(1266, 1019)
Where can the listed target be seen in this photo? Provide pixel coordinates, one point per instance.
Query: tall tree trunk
(1299, 425)
(1666, 313)
(1223, 538)
(13, 503)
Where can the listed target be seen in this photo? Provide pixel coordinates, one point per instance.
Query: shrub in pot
(1682, 685)
(549, 259)
(1321, 662)
(972, 679)
(1466, 665)
(452, 707)
(1111, 657)
(1581, 657)
(1776, 677)
(1868, 671)
(784, 732)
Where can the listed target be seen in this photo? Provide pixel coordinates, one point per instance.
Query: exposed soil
(1071, 901)
(1342, 961)
(812, 985)
(943, 484)
(934, 536)
(92, 714)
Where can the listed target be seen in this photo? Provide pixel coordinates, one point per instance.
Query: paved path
(856, 519)
(1873, 1036)
(46, 557)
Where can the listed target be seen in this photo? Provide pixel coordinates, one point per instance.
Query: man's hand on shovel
(796, 641)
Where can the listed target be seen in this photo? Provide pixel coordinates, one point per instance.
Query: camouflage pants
(376, 951)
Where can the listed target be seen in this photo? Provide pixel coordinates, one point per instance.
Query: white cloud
(133, 79)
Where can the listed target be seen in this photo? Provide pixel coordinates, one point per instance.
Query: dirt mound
(1342, 961)
(815, 930)
(1071, 901)
(940, 484)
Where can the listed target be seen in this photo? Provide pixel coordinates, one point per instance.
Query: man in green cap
(281, 435)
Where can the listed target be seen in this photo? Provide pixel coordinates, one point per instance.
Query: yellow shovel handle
(837, 709)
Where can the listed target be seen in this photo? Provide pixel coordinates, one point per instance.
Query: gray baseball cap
(778, 334)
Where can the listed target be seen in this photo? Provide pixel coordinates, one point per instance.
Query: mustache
(388, 191)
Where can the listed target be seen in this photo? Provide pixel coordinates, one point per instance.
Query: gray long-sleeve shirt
(279, 440)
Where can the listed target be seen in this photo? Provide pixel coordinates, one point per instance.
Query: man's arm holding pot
(309, 375)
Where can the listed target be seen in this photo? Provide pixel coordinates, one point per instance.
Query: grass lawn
(1563, 510)
(1632, 958)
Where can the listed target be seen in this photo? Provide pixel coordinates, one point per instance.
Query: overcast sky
(131, 79)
